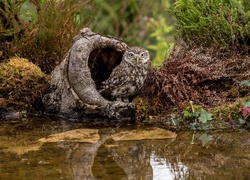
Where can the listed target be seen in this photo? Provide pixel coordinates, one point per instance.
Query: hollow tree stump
(74, 82)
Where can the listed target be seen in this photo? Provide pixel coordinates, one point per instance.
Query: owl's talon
(118, 109)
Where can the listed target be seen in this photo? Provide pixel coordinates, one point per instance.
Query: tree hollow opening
(102, 61)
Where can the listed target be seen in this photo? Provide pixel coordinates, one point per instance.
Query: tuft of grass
(220, 22)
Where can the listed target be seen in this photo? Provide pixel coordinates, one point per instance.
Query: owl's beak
(137, 59)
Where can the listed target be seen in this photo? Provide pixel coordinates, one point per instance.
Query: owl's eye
(131, 54)
(142, 55)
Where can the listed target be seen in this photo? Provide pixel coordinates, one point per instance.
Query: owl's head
(136, 55)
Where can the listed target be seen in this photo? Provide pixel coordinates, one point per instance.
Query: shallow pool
(47, 148)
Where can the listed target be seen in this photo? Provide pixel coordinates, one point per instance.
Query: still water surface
(26, 153)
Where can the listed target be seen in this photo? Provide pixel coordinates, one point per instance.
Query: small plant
(245, 83)
(173, 121)
(245, 113)
(205, 116)
(198, 117)
(245, 110)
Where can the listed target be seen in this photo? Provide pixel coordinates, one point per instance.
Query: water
(26, 152)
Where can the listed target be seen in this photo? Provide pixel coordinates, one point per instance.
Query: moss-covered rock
(21, 85)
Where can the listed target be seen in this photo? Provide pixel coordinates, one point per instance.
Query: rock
(76, 135)
(22, 85)
(141, 134)
(8, 115)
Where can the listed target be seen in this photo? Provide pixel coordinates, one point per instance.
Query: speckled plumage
(127, 79)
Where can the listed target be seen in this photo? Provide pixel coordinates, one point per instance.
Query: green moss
(193, 108)
(229, 111)
(21, 85)
(147, 107)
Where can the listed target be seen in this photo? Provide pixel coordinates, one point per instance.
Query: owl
(127, 79)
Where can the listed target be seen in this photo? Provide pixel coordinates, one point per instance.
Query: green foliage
(161, 47)
(245, 111)
(173, 121)
(28, 12)
(197, 113)
(245, 83)
(42, 31)
(121, 19)
(233, 115)
(221, 22)
(192, 111)
(9, 24)
(160, 26)
(246, 104)
(205, 116)
(139, 23)
(187, 114)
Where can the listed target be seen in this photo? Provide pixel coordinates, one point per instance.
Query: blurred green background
(143, 23)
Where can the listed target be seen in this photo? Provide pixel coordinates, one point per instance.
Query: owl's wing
(118, 77)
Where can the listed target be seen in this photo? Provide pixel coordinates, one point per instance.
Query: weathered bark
(74, 82)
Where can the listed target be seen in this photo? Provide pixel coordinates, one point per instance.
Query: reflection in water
(163, 170)
(22, 156)
(134, 158)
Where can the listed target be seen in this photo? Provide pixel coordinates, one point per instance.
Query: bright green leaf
(187, 114)
(205, 116)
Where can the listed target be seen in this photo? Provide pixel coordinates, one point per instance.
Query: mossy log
(74, 82)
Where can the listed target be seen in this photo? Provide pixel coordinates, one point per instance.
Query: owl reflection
(127, 79)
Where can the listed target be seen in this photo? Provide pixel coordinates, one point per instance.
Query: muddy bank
(207, 76)
(194, 80)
